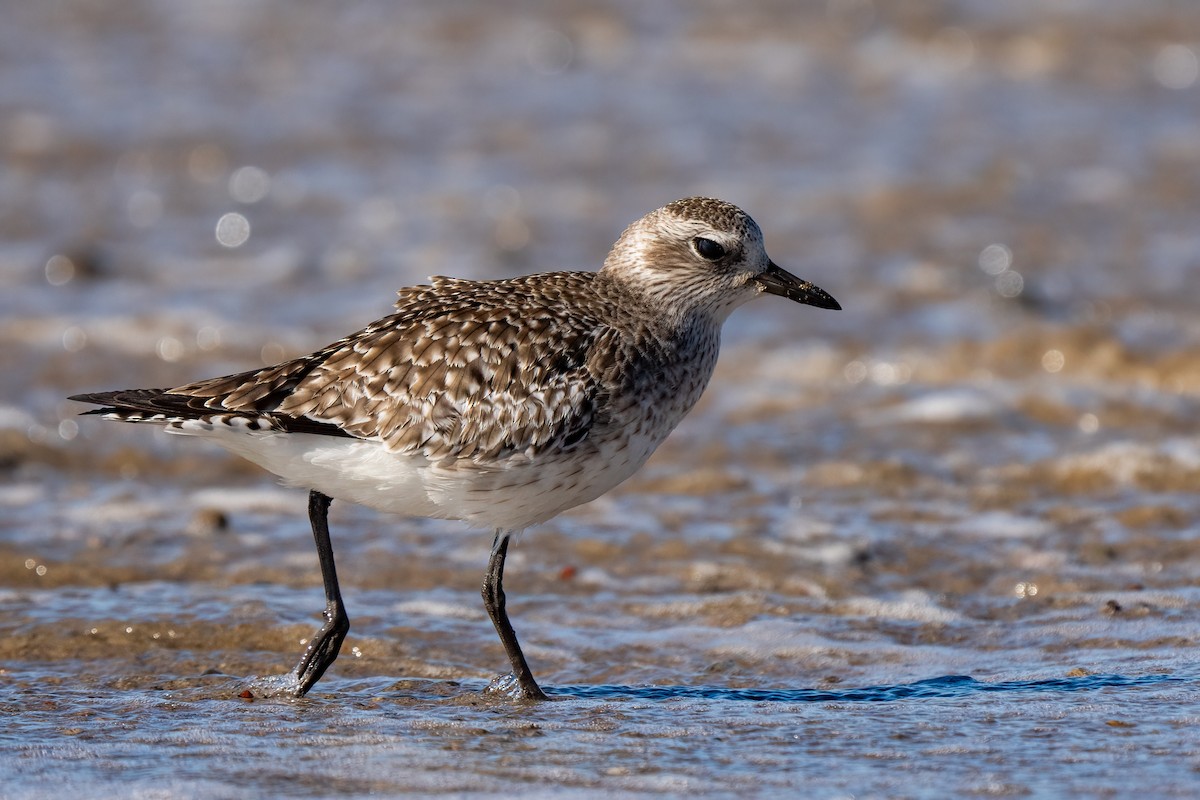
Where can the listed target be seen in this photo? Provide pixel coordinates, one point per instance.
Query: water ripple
(947, 686)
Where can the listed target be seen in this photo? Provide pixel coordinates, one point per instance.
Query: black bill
(777, 280)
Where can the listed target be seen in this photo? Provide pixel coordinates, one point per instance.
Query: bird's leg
(493, 601)
(324, 645)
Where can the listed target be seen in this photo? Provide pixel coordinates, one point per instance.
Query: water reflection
(948, 686)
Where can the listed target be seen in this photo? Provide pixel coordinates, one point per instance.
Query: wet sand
(942, 543)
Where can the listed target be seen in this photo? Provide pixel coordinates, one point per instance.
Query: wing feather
(462, 369)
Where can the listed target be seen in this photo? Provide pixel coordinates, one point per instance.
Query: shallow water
(941, 543)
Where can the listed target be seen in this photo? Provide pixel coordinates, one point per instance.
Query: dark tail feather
(163, 406)
(147, 401)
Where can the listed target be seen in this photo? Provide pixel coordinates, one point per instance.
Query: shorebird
(499, 403)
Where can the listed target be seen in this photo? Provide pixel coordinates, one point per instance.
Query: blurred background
(986, 464)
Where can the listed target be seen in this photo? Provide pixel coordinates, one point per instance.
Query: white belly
(510, 495)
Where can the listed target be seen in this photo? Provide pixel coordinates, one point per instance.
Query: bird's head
(701, 254)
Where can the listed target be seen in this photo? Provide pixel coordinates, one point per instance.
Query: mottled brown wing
(463, 369)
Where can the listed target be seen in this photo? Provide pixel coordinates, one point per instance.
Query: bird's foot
(286, 685)
(509, 686)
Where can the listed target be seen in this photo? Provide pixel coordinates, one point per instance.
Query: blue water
(947, 686)
(944, 736)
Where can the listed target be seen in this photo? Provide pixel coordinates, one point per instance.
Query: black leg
(493, 601)
(324, 645)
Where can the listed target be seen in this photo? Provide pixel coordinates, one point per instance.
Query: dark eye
(708, 249)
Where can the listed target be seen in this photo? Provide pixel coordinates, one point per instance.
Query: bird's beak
(776, 280)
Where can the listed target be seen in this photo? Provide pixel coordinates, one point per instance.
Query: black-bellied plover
(499, 403)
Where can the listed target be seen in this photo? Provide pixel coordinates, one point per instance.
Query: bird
(500, 403)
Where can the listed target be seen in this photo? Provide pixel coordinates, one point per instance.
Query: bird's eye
(708, 249)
